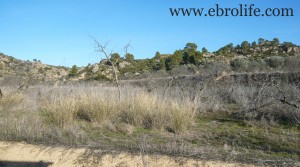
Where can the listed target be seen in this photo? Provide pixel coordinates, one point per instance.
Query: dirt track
(22, 154)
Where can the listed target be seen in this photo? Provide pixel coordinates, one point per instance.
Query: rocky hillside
(262, 56)
(14, 71)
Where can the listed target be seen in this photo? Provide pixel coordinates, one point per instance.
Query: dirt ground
(22, 154)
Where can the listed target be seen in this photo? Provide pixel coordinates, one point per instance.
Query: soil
(22, 154)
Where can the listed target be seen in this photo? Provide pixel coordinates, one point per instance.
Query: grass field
(215, 120)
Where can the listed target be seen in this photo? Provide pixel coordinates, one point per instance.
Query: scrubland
(216, 118)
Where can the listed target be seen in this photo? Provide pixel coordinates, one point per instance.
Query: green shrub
(100, 77)
(73, 71)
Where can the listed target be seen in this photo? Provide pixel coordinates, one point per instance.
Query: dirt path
(22, 154)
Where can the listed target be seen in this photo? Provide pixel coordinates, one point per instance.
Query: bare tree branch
(102, 49)
(283, 100)
(126, 47)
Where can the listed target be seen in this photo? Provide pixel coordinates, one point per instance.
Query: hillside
(14, 71)
(240, 104)
(264, 56)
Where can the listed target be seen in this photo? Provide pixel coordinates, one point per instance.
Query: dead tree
(284, 99)
(102, 49)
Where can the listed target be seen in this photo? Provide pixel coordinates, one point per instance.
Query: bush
(257, 65)
(215, 68)
(275, 62)
(99, 77)
(73, 71)
(274, 103)
(292, 63)
(239, 65)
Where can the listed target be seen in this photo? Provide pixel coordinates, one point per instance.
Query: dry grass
(176, 119)
(101, 106)
(11, 101)
(51, 114)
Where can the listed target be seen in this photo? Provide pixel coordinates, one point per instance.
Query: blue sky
(57, 31)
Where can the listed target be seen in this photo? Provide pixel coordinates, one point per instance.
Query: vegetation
(262, 55)
(227, 120)
(243, 104)
(73, 71)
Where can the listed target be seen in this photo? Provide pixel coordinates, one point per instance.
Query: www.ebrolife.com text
(240, 10)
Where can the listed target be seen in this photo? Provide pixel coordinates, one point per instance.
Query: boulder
(95, 68)
(124, 64)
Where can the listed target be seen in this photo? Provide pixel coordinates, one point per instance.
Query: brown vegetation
(208, 118)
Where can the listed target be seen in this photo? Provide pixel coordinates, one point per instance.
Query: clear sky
(57, 31)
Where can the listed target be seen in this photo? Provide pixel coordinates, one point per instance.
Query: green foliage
(192, 57)
(171, 63)
(129, 58)
(191, 46)
(245, 46)
(261, 41)
(157, 55)
(226, 49)
(73, 71)
(204, 50)
(162, 64)
(159, 64)
(115, 57)
(276, 41)
(174, 60)
(99, 77)
(142, 65)
(128, 69)
(189, 55)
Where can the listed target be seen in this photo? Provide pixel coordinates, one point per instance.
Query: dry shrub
(137, 108)
(28, 128)
(272, 103)
(148, 111)
(11, 101)
(292, 63)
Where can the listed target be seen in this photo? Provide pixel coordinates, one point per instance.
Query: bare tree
(102, 49)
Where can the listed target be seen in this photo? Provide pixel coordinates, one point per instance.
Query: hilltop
(263, 55)
(15, 71)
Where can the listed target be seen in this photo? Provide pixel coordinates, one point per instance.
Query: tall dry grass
(51, 114)
(11, 101)
(64, 113)
(64, 106)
